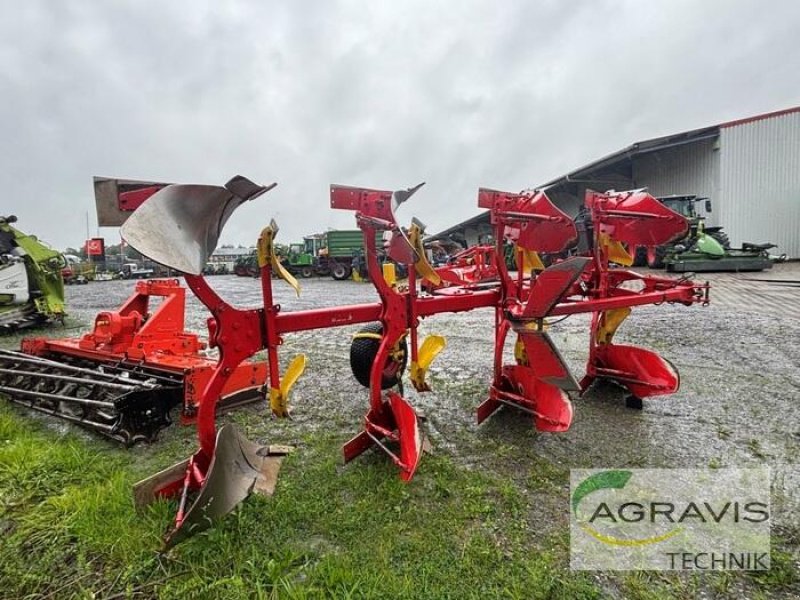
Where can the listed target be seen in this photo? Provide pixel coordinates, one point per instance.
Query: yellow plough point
(279, 397)
(429, 350)
(616, 251)
(266, 255)
(609, 322)
(422, 266)
(390, 274)
(531, 262)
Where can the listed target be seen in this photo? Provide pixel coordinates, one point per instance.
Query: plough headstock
(380, 204)
(375, 211)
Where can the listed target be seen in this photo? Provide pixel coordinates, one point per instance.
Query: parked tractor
(246, 266)
(299, 259)
(704, 248)
(31, 285)
(341, 252)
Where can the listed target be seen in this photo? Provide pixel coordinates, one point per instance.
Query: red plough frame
(539, 380)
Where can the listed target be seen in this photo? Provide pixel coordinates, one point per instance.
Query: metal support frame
(538, 383)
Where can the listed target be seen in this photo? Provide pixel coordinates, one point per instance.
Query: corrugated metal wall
(567, 202)
(751, 172)
(477, 233)
(760, 182)
(687, 169)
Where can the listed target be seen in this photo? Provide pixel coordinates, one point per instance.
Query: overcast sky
(462, 94)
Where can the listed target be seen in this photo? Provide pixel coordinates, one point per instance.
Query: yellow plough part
(610, 321)
(429, 350)
(422, 266)
(615, 250)
(367, 335)
(519, 352)
(390, 274)
(267, 256)
(531, 261)
(279, 397)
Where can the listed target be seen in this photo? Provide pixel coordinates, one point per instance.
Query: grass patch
(70, 530)
(782, 573)
(496, 528)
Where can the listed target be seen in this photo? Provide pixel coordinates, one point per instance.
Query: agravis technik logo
(670, 519)
(613, 480)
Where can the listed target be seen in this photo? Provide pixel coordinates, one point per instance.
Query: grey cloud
(383, 94)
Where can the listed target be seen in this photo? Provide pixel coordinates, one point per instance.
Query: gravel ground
(737, 406)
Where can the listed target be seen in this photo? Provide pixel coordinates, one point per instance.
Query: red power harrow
(179, 225)
(473, 267)
(123, 378)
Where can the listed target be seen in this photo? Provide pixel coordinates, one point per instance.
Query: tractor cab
(313, 244)
(684, 205)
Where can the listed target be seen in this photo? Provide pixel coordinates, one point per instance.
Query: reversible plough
(179, 225)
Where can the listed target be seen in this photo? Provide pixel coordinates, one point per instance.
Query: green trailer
(340, 248)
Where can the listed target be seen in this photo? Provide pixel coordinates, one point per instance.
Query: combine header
(31, 286)
(178, 226)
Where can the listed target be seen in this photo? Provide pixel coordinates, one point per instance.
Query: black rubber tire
(306, 272)
(655, 257)
(362, 355)
(634, 402)
(722, 238)
(340, 272)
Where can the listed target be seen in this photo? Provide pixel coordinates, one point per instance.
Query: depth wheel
(306, 272)
(363, 351)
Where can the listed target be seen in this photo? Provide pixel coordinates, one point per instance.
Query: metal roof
(240, 251)
(637, 148)
(621, 157)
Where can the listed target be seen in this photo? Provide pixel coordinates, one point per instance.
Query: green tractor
(246, 266)
(31, 284)
(299, 259)
(704, 248)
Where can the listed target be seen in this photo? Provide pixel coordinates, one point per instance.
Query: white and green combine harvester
(31, 285)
